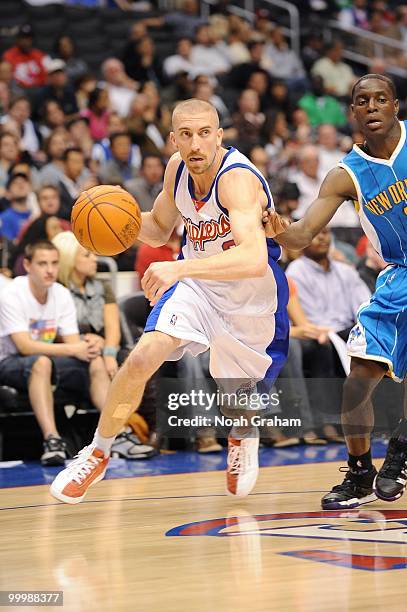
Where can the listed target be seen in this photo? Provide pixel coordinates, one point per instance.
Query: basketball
(106, 219)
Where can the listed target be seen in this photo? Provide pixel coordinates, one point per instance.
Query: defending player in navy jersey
(226, 293)
(374, 175)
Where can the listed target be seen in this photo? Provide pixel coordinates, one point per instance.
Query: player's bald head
(194, 107)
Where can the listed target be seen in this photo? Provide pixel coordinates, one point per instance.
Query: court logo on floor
(365, 526)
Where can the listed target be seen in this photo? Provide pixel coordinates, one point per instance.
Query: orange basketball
(106, 219)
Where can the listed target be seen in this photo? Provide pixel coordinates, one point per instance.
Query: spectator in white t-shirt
(34, 311)
(121, 88)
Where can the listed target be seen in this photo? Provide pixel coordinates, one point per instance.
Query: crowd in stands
(65, 128)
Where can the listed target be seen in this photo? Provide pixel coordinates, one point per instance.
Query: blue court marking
(32, 473)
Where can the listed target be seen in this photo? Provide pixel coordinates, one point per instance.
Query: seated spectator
(27, 62)
(312, 50)
(58, 88)
(400, 28)
(337, 76)
(240, 32)
(23, 167)
(277, 136)
(121, 88)
(9, 155)
(7, 77)
(379, 25)
(260, 82)
(55, 147)
(145, 126)
(84, 85)
(79, 135)
(328, 144)
(144, 64)
(206, 55)
(181, 61)
(146, 187)
(183, 21)
(72, 180)
(310, 356)
(99, 324)
(323, 284)
(75, 67)
(308, 178)
(101, 151)
(285, 63)
(320, 107)
(44, 227)
(287, 199)
(248, 120)
(370, 267)
(258, 156)
(49, 203)
(34, 310)
(355, 16)
(323, 291)
(52, 118)
(5, 97)
(240, 74)
(18, 212)
(20, 112)
(118, 169)
(97, 113)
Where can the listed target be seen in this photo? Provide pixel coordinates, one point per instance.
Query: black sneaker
(391, 480)
(356, 490)
(55, 451)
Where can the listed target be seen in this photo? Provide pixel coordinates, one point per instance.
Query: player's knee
(137, 365)
(356, 390)
(42, 366)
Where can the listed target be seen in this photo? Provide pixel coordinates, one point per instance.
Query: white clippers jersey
(207, 232)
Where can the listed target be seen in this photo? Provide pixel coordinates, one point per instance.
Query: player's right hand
(274, 223)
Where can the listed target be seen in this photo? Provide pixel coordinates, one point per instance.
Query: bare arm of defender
(158, 224)
(335, 189)
(240, 193)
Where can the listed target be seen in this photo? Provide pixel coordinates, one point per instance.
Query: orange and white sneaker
(243, 465)
(88, 467)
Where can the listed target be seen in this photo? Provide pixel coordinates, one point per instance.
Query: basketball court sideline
(154, 537)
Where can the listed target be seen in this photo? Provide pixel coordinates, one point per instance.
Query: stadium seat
(135, 308)
(39, 13)
(10, 9)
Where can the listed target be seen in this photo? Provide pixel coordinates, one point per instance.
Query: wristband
(110, 351)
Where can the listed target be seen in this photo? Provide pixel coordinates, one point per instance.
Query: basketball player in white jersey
(225, 292)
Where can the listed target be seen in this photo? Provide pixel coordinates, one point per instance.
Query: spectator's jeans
(68, 373)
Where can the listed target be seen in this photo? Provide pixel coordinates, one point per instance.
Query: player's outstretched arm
(335, 189)
(158, 224)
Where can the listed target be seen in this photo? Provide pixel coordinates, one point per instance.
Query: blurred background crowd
(86, 94)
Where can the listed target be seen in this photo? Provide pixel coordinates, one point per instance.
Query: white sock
(103, 444)
(240, 431)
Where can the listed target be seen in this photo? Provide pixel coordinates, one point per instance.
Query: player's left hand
(274, 223)
(159, 277)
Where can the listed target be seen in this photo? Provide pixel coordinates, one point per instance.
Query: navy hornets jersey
(381, 186)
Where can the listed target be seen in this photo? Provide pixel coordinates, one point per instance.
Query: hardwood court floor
(125, 547)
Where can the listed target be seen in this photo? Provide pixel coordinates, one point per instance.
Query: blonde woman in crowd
(99, 324)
